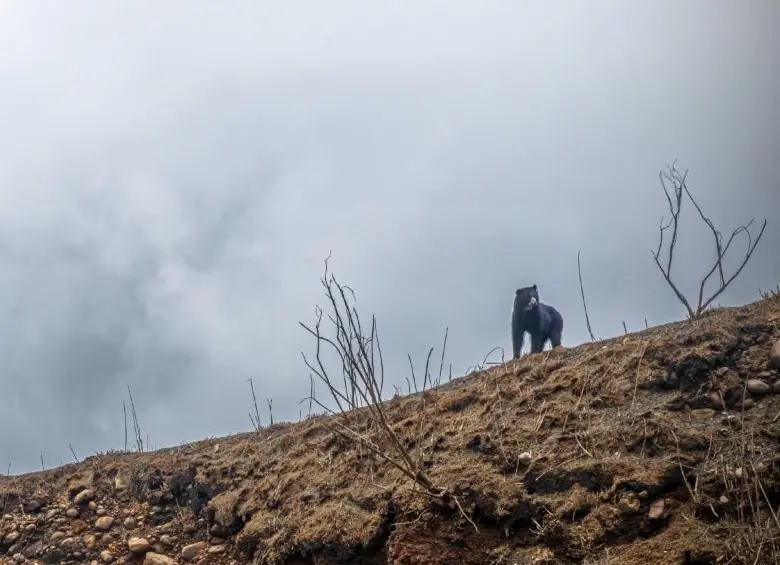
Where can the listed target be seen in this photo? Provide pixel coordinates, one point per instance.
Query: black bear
(542, 321)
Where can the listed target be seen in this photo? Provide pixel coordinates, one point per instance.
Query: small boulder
(106, 556)
(104, 523)
(84, 496)
(138, 545)
(757, 387)
(775, 355)
(153, 558)
(190, 552)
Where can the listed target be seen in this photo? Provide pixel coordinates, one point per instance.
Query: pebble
(106, 556)
(72, 513)
(104, 523)
(656, 511)
(166, 540)
(84, 496)
(702, 413)
(129, 523)
(757, 387)
(138, 545)
(89, 541)
(776, 387)
(153, 558)
(219, 548)
(775, 355)
(189, 552)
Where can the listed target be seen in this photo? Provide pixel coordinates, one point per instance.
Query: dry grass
(604, 423)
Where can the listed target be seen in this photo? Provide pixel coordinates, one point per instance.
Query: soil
(658, 447)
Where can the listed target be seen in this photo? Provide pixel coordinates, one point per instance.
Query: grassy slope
(612, 440)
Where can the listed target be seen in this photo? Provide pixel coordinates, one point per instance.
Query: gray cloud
(172, 181)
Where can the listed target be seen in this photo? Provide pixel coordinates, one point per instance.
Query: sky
(172, 179)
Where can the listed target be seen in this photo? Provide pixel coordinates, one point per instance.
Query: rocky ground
(659, 447)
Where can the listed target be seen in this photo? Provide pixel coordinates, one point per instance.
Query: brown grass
(617, 420)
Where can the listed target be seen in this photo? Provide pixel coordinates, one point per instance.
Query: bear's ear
(534, 286)
(518, 291)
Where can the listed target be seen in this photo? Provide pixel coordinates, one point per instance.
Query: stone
(153, 558)
(57, 536)
(656, 511)
(166, 540)
(106, 556)
(190, 552)
(89, 541)
(72, 513)
(219, 548)
(129, 523)
(121, 481)
(702, 413)
(746, 404)
(774, 357)
(78, 526)
(757, 387)
(104, 523)
(138, 545)
(716, 400)
(776, 387)
(85, 496)
(11, 537)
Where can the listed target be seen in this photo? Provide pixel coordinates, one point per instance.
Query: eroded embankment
(660, 447)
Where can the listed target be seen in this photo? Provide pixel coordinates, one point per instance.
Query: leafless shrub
(359, 393)
(674, 185)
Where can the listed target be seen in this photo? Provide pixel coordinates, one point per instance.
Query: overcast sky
(173, 175)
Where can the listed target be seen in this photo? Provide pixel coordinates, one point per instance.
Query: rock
(629, 504)
(121, 481)
(190, 552)
(746, 404)
(166, 540)
(106, 556)
(138, 545)
(84, 496)
(716, 400)
(92, 505)
(775, 355)
(739, 472)
(53, 556)
(757, 387)
(656, 511)
(722, 372)
(89, 541)
(776, 387)
(153, 558)
(57, 535)
(100, 511)
(702, 413)
(129, 523)
(104, 523)
(219, 548)
(11, 537)
(723, 499)
(72, 513)
(78, 526)
(32, 550)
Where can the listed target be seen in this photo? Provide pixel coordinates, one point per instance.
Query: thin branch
(584, 304)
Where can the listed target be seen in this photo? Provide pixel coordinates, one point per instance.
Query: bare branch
(679, 187)
(584, 304)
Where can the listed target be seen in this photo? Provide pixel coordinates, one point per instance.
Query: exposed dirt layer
(659, 447)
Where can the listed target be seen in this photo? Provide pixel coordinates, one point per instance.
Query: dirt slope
(613, 452)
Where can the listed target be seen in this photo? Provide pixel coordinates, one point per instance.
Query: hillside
(615, 452)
